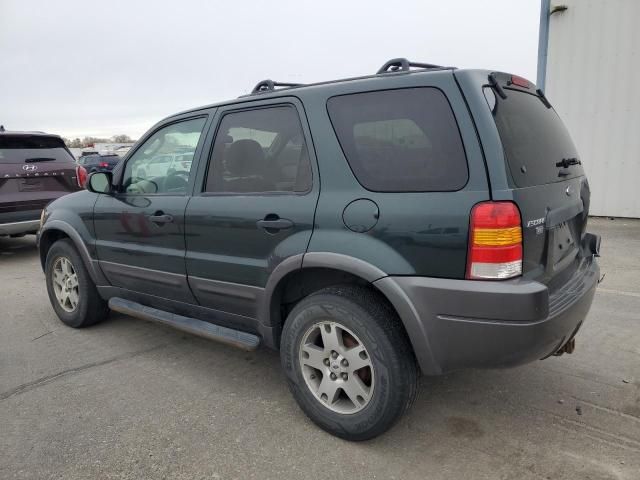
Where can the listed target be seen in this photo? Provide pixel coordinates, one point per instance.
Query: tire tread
(364, 303)
(93, 308)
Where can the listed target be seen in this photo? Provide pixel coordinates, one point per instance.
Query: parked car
(423, 218)
(159, 165)
(122, 151)
(83, 156)
(99, 162)
(35, 168)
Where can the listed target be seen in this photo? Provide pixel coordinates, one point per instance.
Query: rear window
(32, 148)
(400, 140)
(533, 137)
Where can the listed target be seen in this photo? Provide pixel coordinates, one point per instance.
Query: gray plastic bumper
(456, 324)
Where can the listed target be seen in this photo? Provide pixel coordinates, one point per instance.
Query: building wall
(593, 81)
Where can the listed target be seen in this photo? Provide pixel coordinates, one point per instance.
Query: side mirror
(99, 182)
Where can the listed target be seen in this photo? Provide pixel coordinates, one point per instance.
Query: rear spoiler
(498, 79)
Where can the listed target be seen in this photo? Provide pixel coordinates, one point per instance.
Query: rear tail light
(104, 164)
(81, 176)
(495, 241)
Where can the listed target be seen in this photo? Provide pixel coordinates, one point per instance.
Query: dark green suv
(420, 219)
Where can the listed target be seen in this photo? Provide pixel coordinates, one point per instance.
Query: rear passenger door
(255, 205)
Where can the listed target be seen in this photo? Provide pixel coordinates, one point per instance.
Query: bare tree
(121, 139)
(87, 141)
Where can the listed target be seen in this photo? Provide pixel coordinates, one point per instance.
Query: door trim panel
(227, 296)
(172, 285)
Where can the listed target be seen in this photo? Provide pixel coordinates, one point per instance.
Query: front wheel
(348, 362)
(71, 290)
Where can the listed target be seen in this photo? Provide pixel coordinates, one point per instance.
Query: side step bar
(235, 338)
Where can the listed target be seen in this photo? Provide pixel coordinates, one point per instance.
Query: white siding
(593, 81)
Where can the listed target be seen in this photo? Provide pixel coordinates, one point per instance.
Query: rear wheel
(71, 290)
(348, 362)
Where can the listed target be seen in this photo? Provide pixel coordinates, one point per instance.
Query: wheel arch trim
(64, 227)
(385, 284)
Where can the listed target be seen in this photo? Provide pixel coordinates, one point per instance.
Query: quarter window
(163, 163)
(258, 151)
(400, 140)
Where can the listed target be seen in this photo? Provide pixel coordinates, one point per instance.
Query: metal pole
(543, 43)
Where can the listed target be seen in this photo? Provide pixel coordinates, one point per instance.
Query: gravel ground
(130, 399)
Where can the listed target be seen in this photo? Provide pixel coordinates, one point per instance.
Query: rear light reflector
(520, 82)
(81, 176)
(495, 241)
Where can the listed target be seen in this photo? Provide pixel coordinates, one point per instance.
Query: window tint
(400, 140)
(260, 151)
(534, 138)
(27, 148)
(158, 166)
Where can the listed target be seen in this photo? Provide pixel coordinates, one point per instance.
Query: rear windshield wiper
(567, 162)
(39, 159)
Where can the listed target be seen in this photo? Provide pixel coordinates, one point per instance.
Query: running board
(235, 338)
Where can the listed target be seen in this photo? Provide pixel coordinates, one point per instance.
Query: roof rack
(402, 64)
(270, 85)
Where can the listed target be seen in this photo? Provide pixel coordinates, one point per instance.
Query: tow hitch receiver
(568, 347)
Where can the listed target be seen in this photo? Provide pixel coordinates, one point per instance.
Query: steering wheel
(176, 180)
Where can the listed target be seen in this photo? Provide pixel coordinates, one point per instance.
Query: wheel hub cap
(336, 367)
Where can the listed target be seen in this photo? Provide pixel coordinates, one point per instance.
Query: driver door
(140, 229)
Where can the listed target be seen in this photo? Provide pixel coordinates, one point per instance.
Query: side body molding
(346, 263)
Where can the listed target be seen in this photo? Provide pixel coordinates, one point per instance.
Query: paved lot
(129, 399)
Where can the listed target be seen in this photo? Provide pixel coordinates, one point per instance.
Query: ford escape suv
(35, 168)
(421, 219)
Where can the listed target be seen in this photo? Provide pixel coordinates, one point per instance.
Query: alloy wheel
(336, 367)
(65, 284)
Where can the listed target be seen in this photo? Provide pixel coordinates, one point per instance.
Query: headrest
(243, 157)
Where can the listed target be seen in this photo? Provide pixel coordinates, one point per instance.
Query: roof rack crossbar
(402, 64)
(270, 85)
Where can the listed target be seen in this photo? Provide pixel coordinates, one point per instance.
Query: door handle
(160, 218)
(273, 223)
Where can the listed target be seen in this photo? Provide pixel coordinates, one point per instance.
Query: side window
(153, 169)
(260, 150)
(400, 140)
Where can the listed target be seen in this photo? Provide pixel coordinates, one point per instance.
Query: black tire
(91, 308)
(380, 331)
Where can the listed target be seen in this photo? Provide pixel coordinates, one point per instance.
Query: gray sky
(81, 67)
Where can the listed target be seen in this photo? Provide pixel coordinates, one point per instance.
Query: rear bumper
(17, 228)
(455, 324)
